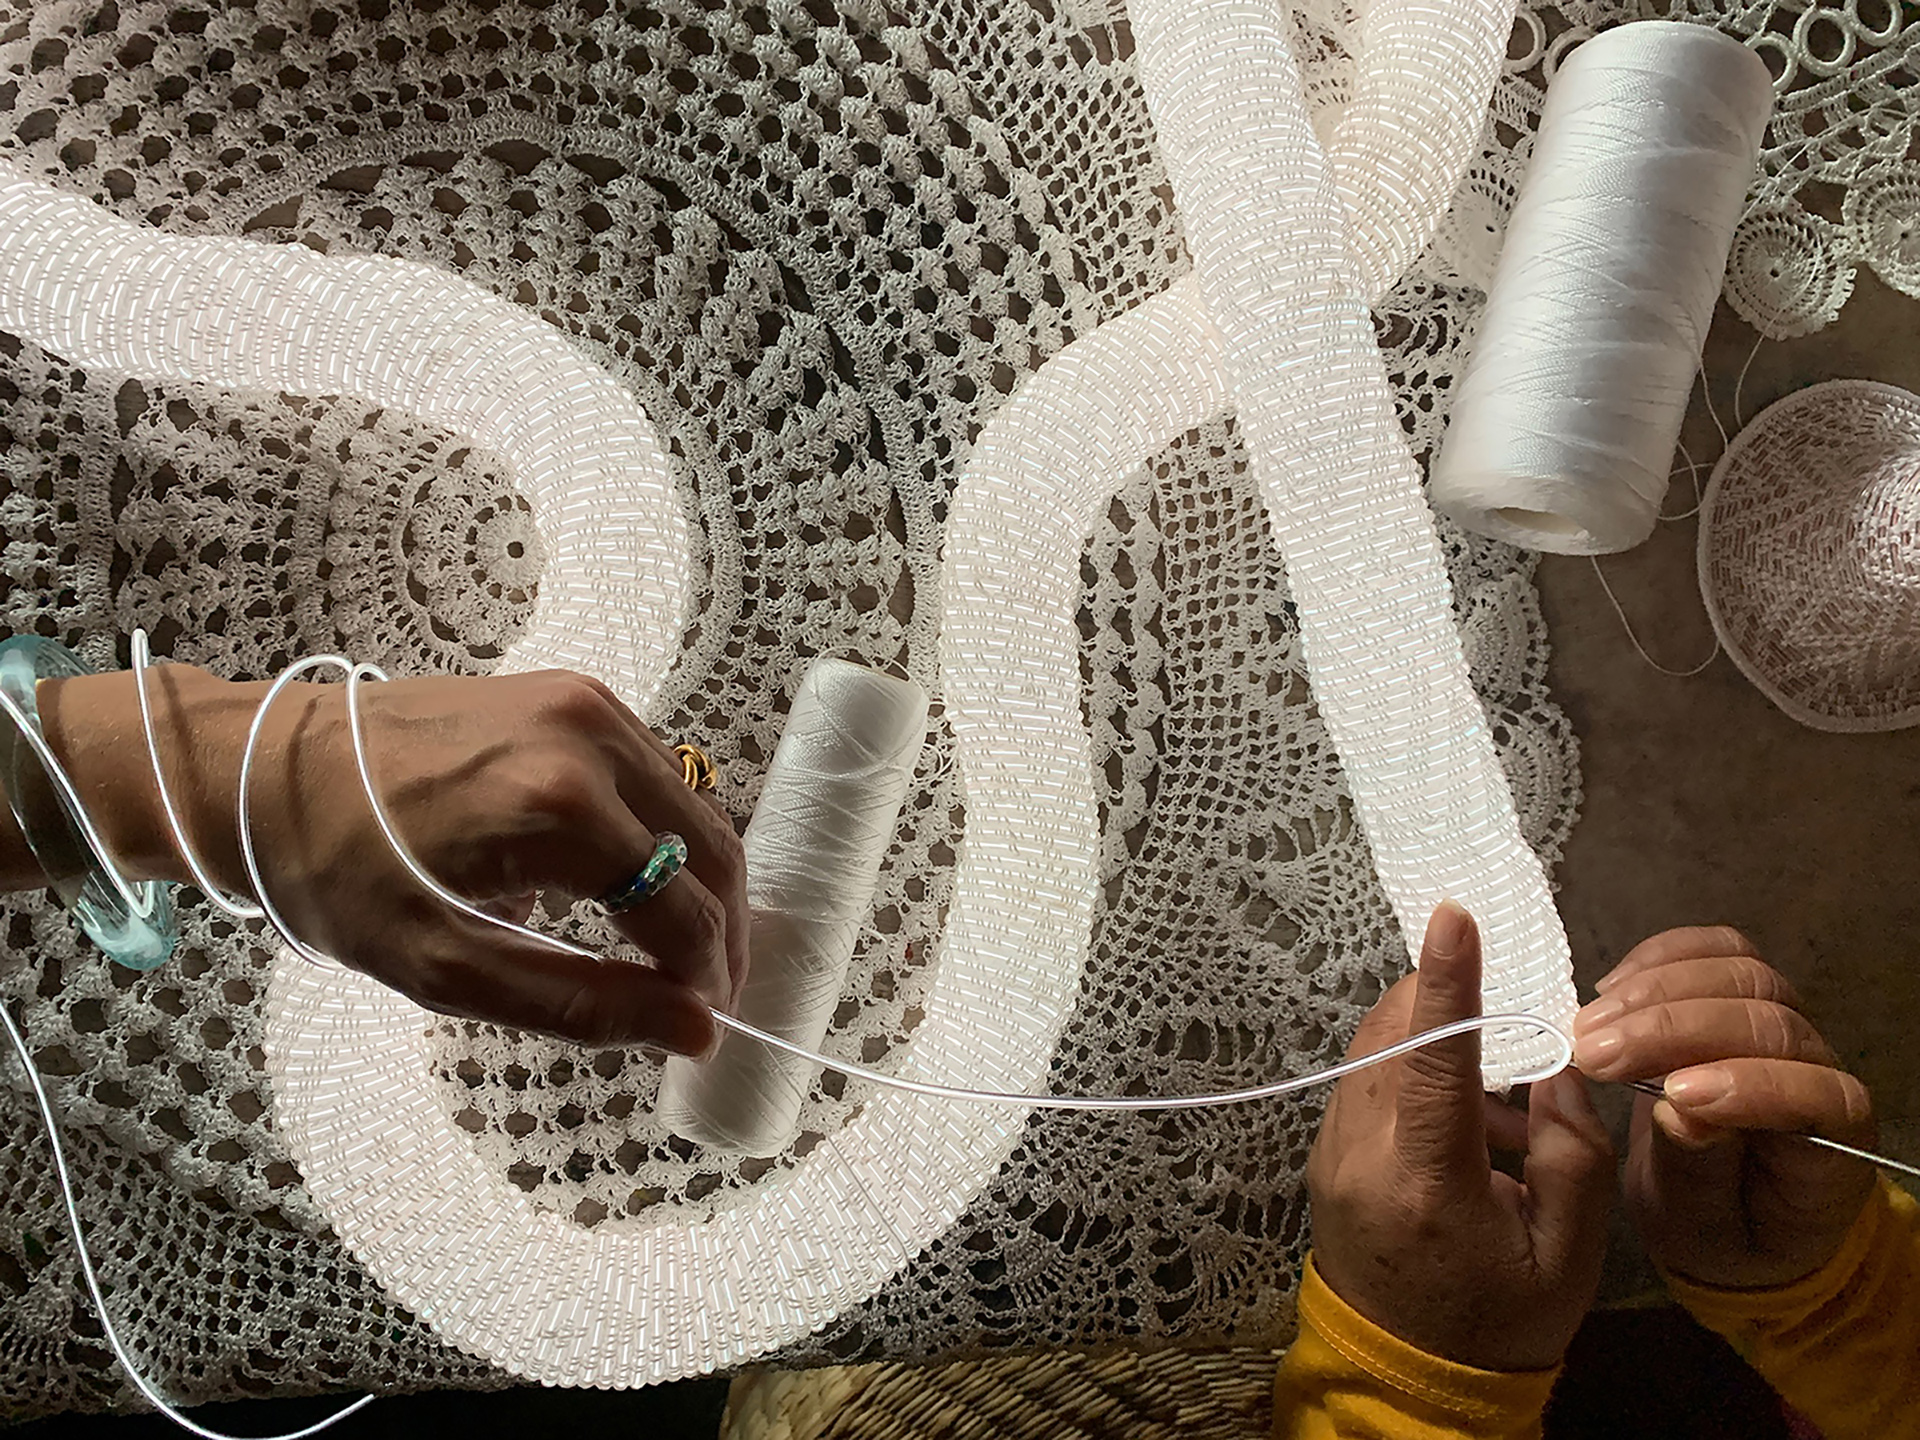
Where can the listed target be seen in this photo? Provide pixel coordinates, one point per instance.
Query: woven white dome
(1810, 555)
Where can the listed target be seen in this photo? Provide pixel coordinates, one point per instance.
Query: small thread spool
(813, 849)
(1564, 429)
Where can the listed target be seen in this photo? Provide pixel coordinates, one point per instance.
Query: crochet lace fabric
(819, 242)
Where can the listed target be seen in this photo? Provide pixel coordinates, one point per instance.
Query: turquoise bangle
(132, 921)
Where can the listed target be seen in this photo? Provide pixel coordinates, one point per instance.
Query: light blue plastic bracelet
(132, 921)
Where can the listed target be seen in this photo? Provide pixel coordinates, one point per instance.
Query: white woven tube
(115, 296)
(1344, 497)
(1426, 72)
(814, 848)
(402, 1185)
(1563, 434)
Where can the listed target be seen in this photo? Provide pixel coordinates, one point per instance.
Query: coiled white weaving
(1010, 675)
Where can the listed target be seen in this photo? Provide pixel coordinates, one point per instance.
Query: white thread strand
(1693, 468)
(813, 849)
(1740, 383)
(1634, 640)
(70, 1200)
(239, 909)
(1563, 435)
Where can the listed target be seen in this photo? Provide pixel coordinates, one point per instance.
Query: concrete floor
(1704, 804)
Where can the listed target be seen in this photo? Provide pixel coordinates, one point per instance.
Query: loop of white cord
(64, 1179)
(356, 673)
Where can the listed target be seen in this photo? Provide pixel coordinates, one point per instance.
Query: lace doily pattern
(818, 243)
(1839, 181)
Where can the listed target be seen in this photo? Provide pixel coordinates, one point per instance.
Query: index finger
(1386, 1023)
(1754, 1094)
(513, 980)
(1440, 1122)
(1689, 942)
(1371, 1090)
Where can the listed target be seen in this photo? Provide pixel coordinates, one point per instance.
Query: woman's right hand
(1717, 1198)
(503, 787)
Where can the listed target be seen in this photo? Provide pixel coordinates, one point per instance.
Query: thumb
(1386, 1023)
(1440, 1128)
(1569, 1177)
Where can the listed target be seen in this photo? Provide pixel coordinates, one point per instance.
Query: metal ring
(669, 855)
(696, 767)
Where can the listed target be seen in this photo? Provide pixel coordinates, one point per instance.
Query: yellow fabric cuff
(1840, 1344)
(1406, 1391)
(1887, 1210)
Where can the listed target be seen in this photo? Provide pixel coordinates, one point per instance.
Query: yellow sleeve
(1347, 1379)
(1843, 1345)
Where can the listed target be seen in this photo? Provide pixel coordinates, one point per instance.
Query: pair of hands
(1417, 1231)
(509, 787)
(504, 788)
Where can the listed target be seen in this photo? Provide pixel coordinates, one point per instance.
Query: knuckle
(572, 700)
(1641, 993)
(1731, 941)
(434, 983)
(1808, 1043)
(1420, 1202)
(1321, 1174)
(707, 922)
(1756, 980)
(567, 792)
(1657, 1024)
(1778, 1033)
(584, 1018)
(724, 852)
(1599, 1141)
(1773, 1034)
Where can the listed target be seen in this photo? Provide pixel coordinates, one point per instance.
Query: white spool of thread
(813, 848)
(1563, 433)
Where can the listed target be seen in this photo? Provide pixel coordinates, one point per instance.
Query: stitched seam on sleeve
(1331, 1329)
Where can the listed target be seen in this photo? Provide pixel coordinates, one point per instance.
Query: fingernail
(1607, 981)
(1686, 1132)
(1596, 1050)
(1447, 929)
(1699, 1087)
(1601, 1012)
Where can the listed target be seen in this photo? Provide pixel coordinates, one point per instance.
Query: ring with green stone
(669, 855)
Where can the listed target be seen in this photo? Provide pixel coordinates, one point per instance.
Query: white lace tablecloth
(819, 241)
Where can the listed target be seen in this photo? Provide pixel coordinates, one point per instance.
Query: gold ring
(696, 767)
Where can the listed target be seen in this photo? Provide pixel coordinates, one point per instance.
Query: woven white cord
(358, 672)
(1343, 496)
